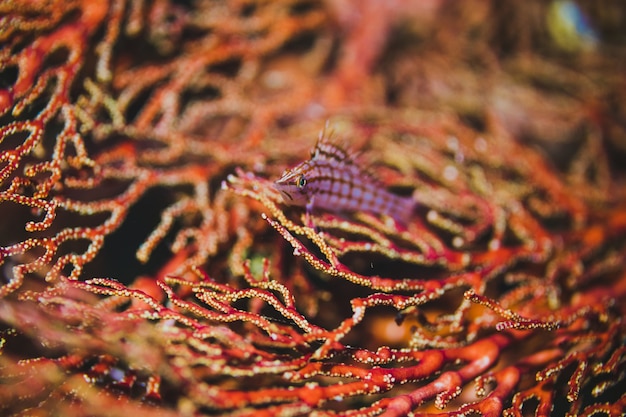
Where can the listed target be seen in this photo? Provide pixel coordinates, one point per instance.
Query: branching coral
(165, 124)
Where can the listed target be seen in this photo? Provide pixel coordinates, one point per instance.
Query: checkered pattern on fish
(332, 180)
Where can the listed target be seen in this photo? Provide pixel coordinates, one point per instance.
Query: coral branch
(150, 266)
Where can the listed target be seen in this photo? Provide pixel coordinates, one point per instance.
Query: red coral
(149, 266)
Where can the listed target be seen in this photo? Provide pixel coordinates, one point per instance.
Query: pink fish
(333, 180)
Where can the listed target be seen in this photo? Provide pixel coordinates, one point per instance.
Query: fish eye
(301, 181)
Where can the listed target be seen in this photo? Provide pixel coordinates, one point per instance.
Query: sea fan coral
(150, 266)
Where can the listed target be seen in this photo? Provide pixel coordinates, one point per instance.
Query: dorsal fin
(339, 153)
(327, 148)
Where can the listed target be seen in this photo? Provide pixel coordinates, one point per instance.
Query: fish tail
(403, 209)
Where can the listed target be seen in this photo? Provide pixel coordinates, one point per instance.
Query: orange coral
(149, 266)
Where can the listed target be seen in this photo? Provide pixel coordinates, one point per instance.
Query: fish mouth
(286, 194)
(277, 186)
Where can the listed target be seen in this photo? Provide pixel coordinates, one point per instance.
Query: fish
(333, 179)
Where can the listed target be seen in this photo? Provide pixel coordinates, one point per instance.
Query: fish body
(333, 180)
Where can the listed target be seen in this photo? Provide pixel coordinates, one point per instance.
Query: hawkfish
(333, 179)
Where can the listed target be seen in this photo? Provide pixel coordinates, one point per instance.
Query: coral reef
(150, 267)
